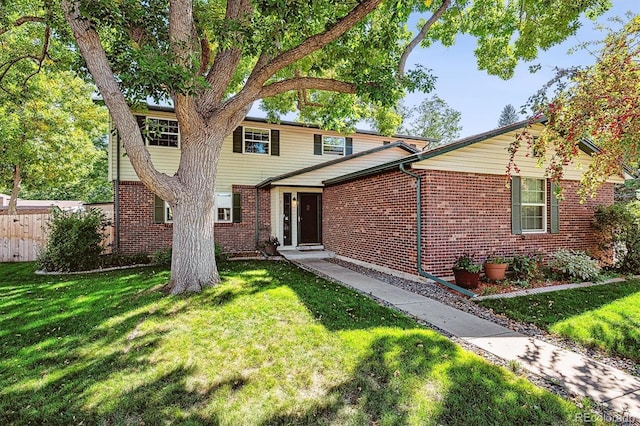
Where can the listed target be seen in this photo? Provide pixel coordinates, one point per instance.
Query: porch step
(310, 247)
(295, 254)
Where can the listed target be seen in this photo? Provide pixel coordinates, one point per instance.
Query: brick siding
(461, 212)
(138, 233)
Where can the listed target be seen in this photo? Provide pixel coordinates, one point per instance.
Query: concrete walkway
(605, 385)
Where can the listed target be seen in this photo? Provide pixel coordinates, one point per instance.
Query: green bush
(618, 226)
(74, 241)
(575, 264)
(525, 267)
(162, 257)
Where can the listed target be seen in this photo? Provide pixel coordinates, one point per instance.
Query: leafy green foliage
(618, 226)
(74, 241)
(433, 118)
(576, 265)
(270, 345)
(601, 104)
(50, 127)
(467, 263)
(525, 267)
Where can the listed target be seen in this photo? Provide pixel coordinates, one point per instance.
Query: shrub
(525, 267)
(162, 257)
(618, 226)
(75, 241)
(575, 265)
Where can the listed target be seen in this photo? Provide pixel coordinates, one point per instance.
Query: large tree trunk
(13, 201)
(193, 264)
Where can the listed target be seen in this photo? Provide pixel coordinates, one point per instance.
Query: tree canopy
(432, 118)
(508, 116)
(334, 61)
(598, 104)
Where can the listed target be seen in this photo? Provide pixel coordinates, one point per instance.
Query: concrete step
(295, 254)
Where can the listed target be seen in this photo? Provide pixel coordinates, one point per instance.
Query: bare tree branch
(421, 35)
(23, 20)
(96, 59)
(306, 83)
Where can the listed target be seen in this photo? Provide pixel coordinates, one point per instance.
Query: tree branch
(23, 20)
(421, 35)
(313, 43)
(306, 83)
(96, 59)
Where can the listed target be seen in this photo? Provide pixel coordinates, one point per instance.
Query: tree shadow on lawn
(69, 365)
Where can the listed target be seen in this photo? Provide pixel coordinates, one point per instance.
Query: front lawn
(605, 316)
(270, 345)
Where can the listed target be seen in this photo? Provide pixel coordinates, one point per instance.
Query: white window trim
(344, 145)
(230, 207)
(543, 205)
(167, 213)
(153, 117)
(244, 141)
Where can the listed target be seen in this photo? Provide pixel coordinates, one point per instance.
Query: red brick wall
(372, 219)
(138, 233)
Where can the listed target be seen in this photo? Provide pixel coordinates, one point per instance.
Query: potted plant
(270, 246)
(467, 271)
(495, 267)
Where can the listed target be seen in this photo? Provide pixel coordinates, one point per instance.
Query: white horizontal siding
(491, 157)
(315, 177)
(296, 152)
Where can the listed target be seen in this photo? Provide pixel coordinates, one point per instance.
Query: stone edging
(93, 271)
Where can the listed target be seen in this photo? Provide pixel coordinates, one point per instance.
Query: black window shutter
(348, 146)
(555, 210)
(237, 207)
(237, 139)
(158, 210)
(275, 142)
(516, 218)
(317, 144)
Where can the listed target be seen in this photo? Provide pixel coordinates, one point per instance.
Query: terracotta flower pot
(495, 271)
(466, 279)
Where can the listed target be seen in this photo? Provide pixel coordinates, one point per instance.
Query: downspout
(422, 272)
(257, 229)
(116, 196)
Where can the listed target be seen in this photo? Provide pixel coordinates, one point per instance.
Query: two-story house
(269, 181)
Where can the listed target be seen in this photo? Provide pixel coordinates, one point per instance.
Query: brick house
(269, 181)
(357, 195)
(463, 206)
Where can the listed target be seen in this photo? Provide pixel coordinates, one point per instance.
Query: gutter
(422, 272)
(257, 228)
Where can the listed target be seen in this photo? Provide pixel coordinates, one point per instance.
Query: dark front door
(310, 214)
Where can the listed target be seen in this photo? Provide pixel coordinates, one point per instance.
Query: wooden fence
(21, 236)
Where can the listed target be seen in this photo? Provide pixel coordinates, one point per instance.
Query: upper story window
(159, 131)
(533, 196)
(256, 141)
(333, 145)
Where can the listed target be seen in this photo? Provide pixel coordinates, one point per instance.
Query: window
(333, 145)
(159, 132)
(223, 207)
(162, 211)
(530, 211)
(256, 141)
(533, 208)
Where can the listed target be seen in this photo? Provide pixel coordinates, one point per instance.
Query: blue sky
(481, 97)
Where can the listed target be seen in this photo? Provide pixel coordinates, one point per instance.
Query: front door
(310, 216)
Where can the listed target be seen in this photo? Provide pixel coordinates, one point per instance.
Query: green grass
(605, 316)
(270, 345)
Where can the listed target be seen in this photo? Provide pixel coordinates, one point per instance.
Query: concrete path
(605, 385)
